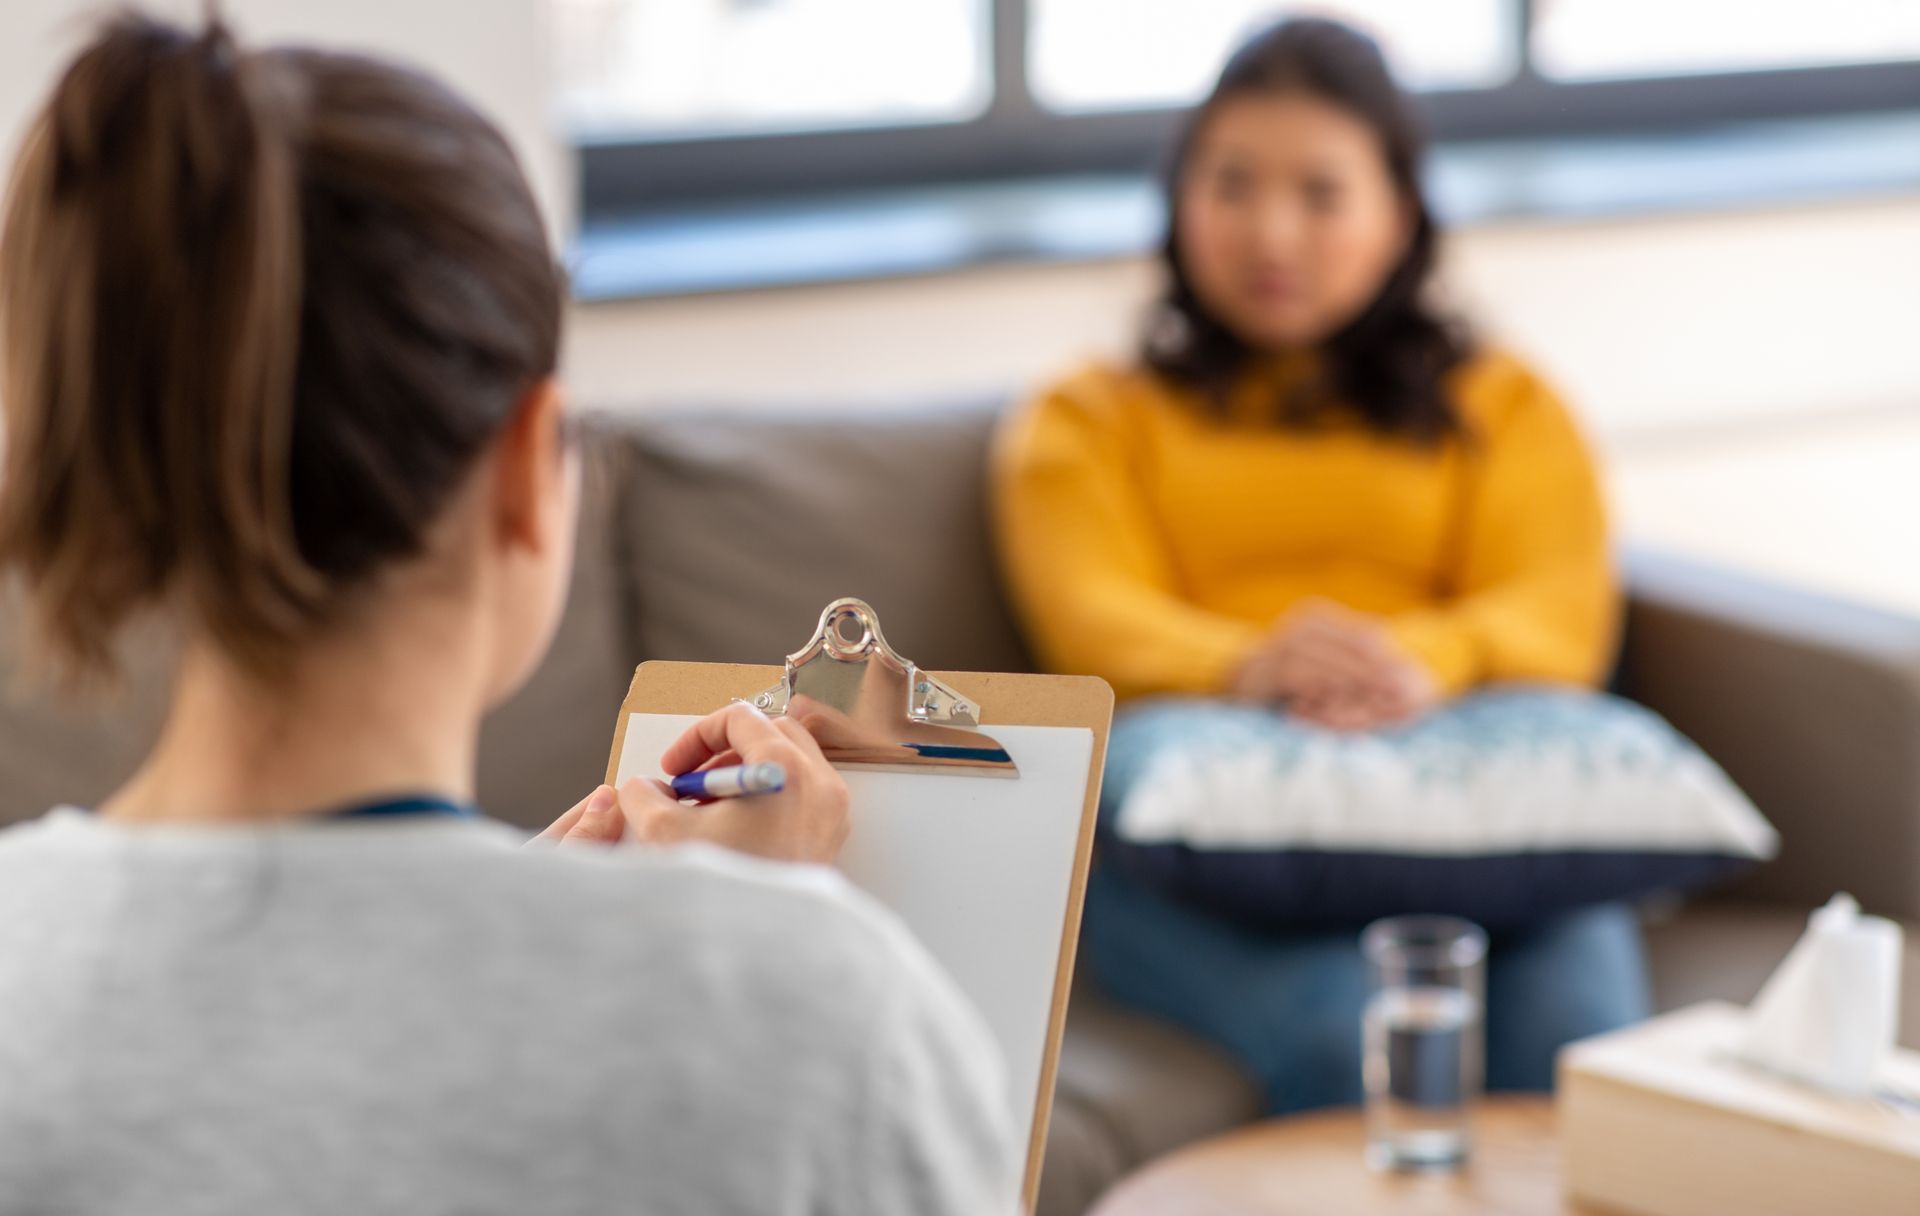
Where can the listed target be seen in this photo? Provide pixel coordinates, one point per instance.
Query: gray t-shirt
(413, 1015)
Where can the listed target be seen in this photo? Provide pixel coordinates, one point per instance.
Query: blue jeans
(1287, 1006)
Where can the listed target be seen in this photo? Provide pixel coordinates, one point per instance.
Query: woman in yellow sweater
(1312, 492)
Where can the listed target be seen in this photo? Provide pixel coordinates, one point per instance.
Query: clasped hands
(1333, 667)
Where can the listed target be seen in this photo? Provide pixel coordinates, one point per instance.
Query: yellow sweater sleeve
(1534, 594)
(1089, 572)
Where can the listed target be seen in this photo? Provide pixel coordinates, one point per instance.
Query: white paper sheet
(980, 867)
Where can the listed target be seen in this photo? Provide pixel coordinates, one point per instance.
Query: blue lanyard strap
(387, 808)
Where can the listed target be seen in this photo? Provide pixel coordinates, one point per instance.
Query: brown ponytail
(259, 314)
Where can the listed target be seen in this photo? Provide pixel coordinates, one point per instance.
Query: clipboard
(1010, 949)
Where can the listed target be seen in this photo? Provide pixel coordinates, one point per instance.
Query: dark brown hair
(1390, 362)
(260, 314)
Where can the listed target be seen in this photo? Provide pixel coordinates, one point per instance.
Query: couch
(719, 535)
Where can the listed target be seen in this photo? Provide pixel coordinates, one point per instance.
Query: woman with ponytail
(278, 334)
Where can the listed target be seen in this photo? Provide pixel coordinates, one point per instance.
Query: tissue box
(1660, 1120)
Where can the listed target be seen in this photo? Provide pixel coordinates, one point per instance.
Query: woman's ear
(530, 469)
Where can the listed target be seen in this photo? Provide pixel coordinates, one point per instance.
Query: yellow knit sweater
(1152, 540)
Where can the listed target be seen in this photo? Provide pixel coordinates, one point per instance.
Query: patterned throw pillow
(1505, 806)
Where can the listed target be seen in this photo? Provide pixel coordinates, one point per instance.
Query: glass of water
(1423, 1039)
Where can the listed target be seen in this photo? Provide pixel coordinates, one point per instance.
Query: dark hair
(260, 314)
(1389, 363)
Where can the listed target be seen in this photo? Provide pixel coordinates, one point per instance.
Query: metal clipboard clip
(866, 705)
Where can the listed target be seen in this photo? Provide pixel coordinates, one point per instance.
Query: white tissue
(1827, 1016)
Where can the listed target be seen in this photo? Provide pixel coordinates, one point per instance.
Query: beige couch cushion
(745, 526)
(1811, 704)
(1129, 1089)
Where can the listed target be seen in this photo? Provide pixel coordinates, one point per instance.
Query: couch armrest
(1811, 704)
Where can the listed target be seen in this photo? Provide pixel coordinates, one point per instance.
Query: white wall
(1829, 506)
(493, 51)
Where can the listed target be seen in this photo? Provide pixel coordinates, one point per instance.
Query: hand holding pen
(804, 819)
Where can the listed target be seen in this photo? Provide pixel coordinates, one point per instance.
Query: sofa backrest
(706, 536)
(720, 536)
(743, 527)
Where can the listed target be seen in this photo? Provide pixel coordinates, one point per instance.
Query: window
(681, 103)
(1097, 54)
(674, 68)
(1624, 39)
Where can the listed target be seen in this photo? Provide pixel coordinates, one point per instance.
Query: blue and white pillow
(1504, 807)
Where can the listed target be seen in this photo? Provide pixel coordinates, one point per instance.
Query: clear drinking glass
(1423, 1037)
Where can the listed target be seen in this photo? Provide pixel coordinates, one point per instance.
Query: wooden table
(1313, 1165)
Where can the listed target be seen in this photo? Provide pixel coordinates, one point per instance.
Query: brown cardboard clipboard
(663, 687)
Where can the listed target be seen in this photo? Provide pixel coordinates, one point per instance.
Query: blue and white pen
(737, 781)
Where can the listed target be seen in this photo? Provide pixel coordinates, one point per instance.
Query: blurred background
(1701, 217)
